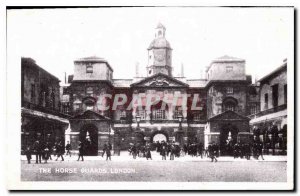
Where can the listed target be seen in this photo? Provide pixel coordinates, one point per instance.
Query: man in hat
(68, 148)
(37, 149)
(80, 149)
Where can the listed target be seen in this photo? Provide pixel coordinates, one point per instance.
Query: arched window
(89, 91)
(229, 104)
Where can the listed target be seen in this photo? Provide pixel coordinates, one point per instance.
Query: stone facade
(225, 88)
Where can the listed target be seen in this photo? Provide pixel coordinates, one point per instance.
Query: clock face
(159, 56)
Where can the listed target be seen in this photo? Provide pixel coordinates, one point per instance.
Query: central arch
(159, 136)
(89, 137)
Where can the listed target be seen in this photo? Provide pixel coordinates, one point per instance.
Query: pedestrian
(206, 152)
(46, 153)
(148, 153)
(104, 149)
(200, 150)
(172, 154)
(163, 153)
(236, 150)
(134, 151)
(28, 153)
(80, 149)
(68, 148)
(37, 149)
(260, 150)
(59, 151)
(108, 153)
(212, 152)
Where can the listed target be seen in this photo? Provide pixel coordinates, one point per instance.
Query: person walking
(60, 151)
(212, 152)
(108, 153)
(172, 153)
(28, 153)
(80, 149)
(260, 150)
(46, 153)
(148, 153)
(134, 151)
(37, 149)
(163, 153)
(200, 150)
(68, 148)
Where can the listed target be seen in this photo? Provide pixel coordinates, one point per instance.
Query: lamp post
(180, 118)
(138, 120)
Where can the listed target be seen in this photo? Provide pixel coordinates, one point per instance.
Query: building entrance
(89, 138)
(159, 137)
(228, 137)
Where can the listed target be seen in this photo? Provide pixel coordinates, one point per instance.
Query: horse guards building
(228, 105)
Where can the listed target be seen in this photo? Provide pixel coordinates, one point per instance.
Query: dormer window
(89, 91)
(89, 68)
(229, 90)
(229, 69)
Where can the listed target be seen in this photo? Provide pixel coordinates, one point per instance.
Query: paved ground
(184, 169)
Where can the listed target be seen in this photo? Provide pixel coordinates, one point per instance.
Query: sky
(54, 38)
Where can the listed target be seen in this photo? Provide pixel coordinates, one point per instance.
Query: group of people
(165, 149)
(244, 150)
(45, 150)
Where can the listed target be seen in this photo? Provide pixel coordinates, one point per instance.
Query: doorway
(228, 137)
(89, 138)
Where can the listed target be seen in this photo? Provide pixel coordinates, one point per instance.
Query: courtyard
(183, 169)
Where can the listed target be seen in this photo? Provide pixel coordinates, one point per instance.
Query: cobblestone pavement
(183, 169)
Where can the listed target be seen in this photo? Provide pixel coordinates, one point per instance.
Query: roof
(229, 115)
(157, 75)
(160, 42)
(197, 83)
(227, 58)
(274, 73)
(91, 58)
(159, 25)
(125, 83)
(88, 114)
(31, 62)
(94, 59)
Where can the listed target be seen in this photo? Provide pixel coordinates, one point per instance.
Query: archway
(89, 138)
(159, 136)
(228, 137)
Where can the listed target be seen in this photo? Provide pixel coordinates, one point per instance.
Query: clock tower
(159, 54)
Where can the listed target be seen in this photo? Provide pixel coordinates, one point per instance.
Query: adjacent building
(42, 118)
(269, 124)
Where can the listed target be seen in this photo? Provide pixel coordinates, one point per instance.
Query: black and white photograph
(150, 98)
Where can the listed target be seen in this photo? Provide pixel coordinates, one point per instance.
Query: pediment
(229, 116)
(159, 80)
(89, 115)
